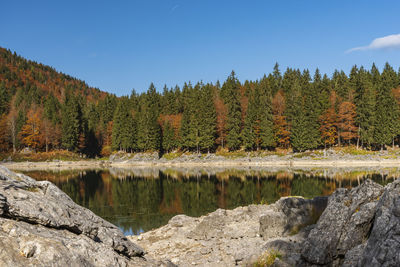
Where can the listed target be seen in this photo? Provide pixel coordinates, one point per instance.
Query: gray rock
(343, 225)
(383, 246)
(291, 214)
(41, 225)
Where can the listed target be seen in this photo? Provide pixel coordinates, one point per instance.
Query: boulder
(289, 215)
(41, 225)
(383, 246)
(343, 226)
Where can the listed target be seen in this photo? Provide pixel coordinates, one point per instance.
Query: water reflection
(142, 199)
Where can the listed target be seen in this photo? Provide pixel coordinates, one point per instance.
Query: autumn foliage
(30, 133)
(282, 134)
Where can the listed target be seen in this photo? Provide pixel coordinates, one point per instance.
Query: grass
(31, 189)
(172, 155)
(268, 258)
(354, 151)
(231, 154)
(44, 156)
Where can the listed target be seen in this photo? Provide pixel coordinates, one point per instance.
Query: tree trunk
(358, 136)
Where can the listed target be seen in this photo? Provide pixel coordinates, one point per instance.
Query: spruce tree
(124, 130)
(230, 94)
(207, 117)
(312, 109)
(299, 133)
(71, 122)
(258, 127)
(365, 105)
(387, 111)
(153, 111)
(168, 141)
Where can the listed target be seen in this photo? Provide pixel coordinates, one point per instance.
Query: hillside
(44, 110)
(35, 99)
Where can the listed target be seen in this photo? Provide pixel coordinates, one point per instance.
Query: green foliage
(80, 118)
(298, 136)
(124, 130)
(230, 94)
(268, 258)
(258, 126)
(71, 123)
(168, 141)
(198, 126)
(148, 129)
(387, 110)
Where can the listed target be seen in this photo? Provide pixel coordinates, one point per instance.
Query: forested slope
(44, 109)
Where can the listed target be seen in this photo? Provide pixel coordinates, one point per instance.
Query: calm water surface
(141, 201)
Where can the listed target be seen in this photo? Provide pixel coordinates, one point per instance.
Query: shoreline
(228, 163)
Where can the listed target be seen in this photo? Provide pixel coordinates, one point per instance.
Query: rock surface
(231, 237)
(41, 225)
(358, 227)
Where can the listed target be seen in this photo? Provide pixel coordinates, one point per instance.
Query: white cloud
(174, 7)
(386, 42)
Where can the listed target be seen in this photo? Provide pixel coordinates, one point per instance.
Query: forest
(46, 110)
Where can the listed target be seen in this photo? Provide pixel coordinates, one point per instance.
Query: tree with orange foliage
(281, 132)
(328, 122)
(346, 121)
(222, 115)
(4, 136)
(30, 134)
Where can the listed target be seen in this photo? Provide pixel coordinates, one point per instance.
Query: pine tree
(148, 128)
(387, 112)
(298, 134)
(230, 94)
(365, 107)
(124, 130)
(71, 122)
(208, 118)
(312, 108)
(168, 141)
(4, 98)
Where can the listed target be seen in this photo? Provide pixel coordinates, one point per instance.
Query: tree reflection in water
(138, 202)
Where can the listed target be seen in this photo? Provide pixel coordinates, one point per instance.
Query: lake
(142, 199)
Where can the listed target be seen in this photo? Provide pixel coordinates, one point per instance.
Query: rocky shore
(40, 225)
(327, 159)
(358, 227)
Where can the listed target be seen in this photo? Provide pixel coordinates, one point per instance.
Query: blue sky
(120, 45)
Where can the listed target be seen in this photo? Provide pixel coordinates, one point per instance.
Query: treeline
(44, 109)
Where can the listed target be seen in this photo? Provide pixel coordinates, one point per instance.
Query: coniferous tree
(71, 122)
(124, 130)
(299, 124)
(312, 108)
(149, 130)
(4, 99)
(230, 94)
(281, 127)
(168, 141)
(258, 127)
(328, 122)
(365, 106)
(387, 112)
(208, 118)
